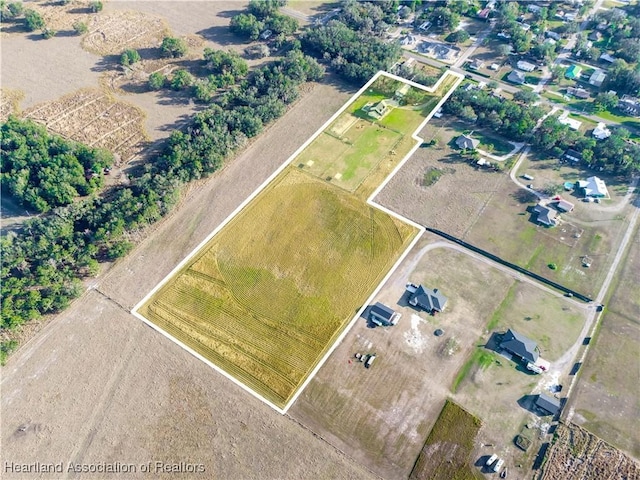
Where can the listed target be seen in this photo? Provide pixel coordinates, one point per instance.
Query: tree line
(44, 263)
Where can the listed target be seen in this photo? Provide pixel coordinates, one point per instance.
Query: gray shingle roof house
(516, 77)
(520, 346)
(429, 300)
(548, 404)
(465, 142)
(383, 315)
(546, 216)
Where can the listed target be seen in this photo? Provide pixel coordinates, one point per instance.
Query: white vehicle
(526, 176)
(534, 368)
(498, 465)
(491, 459)
(370, 360)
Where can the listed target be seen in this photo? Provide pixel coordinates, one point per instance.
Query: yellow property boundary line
(369, 201)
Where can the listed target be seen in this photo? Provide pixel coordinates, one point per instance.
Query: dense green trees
(355, 55)
(246, 25)
(221, 63)
(45, 171)
(614, 155)
(509, 118)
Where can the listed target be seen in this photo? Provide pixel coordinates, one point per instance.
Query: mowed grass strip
(446, 454)
(269, 294)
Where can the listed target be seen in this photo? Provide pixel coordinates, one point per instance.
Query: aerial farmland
(266, 297)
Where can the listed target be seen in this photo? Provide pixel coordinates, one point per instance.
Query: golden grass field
(269, 294)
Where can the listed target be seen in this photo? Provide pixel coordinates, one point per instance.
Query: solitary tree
(95, 6)
(33, 20)
(173, 47)
(49, 32)
(80, 27)
(156, 81)
(181, 80)
(129, 57)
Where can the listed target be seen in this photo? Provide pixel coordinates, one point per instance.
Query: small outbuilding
(550, 405)
(564, 206)
(383, 316)
(525, 66)
(597, 78)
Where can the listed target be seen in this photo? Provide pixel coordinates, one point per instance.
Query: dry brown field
(9, 102)
(606, 397)
(94, 118)
(460, 194)
(579, 455)
(101, 363)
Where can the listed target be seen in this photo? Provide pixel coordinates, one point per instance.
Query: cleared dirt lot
(460, 194)
(381, 416)
(606, 396)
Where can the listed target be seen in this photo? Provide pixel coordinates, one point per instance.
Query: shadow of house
(221, 35)
(493, 343)
(528, 402)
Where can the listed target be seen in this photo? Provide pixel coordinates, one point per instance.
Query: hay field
(268, 295)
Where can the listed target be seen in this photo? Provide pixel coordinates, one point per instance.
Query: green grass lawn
(628, 122)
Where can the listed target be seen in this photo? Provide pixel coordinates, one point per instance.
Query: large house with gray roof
(430, 300)
(520, 346)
